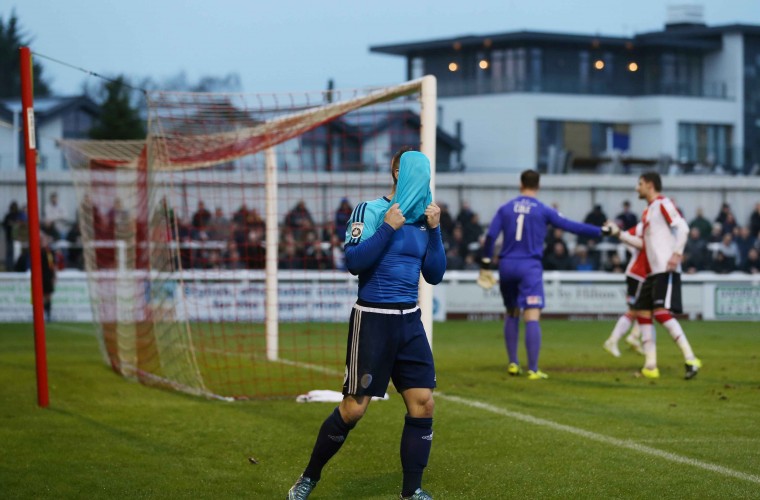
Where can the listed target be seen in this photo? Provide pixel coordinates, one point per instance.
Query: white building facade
(685, 98)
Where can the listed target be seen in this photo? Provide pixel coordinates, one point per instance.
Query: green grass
(104, 437)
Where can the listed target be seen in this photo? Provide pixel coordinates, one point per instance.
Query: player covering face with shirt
(389, 242)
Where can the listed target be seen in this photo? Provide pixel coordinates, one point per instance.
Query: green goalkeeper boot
(537, 375)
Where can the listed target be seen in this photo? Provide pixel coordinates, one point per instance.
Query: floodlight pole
(33, 219)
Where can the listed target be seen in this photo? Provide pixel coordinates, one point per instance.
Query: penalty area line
(85, 329)
(284, 361)
(308, 366)
(600, 438)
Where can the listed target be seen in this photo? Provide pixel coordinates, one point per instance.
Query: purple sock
(533, 343)
(511, 337)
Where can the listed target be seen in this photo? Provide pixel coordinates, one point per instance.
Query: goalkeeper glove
(610, 229)
(486, 279)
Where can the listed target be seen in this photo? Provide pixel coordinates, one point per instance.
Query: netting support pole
(272, 232)
(35, 252)
(428, 128)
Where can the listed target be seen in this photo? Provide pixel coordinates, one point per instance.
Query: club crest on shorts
(533, 300)
(357, 228)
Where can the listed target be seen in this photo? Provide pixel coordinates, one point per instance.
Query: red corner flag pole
(35, 252)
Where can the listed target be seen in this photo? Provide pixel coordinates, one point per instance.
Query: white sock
(622, 326)
(675, 330)
(635, 331)
(649, 344)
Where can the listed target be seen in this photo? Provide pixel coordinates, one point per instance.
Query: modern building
(684, 98)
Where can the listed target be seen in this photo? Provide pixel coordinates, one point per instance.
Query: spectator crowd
(214, 240)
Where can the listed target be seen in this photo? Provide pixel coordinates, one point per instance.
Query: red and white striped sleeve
(669, 211)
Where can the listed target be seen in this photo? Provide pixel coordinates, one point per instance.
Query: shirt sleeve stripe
(358, 216)
(355, 213)
(666, 214)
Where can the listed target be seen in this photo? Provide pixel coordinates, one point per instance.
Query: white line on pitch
(309, 366)
(701, 440)
(620, 443)
(84, 329)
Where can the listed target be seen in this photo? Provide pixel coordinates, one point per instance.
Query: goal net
(214, 248)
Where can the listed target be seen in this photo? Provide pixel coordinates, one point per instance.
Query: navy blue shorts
(383, 344)
(522, 283)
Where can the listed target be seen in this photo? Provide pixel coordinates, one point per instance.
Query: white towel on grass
(324, 396)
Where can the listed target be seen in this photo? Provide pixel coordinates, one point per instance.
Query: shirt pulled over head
(413, 187)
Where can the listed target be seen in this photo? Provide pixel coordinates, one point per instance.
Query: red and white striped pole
(33, 218)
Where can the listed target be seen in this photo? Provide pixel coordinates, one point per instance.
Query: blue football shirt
(389, 262)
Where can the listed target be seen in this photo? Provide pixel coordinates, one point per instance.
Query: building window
(536, 70)
(584, 66)
(510, 70)
(681, 74)
(497, 70)
(580, 145)
(520, 69)
(550, 146)
(482, 73)
(609, 64)
(704, 144)
(418, 67)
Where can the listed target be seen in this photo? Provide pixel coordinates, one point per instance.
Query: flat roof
(696, 37)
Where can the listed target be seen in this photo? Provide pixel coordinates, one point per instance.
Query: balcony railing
(455, 88)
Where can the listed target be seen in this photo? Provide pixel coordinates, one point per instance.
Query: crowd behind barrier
(215, 240)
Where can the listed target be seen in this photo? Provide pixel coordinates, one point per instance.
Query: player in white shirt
(664, 238)
(635, 275)
(56, 217)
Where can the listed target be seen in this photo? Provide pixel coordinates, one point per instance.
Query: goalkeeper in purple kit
(523, 221)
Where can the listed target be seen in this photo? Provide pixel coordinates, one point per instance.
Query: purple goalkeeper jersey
(523, 221)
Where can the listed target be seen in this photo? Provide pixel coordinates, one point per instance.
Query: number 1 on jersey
(520, 221)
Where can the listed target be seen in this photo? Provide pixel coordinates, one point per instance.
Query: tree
(11, 39)
(119, 120)
(206, 83)
(176, 83)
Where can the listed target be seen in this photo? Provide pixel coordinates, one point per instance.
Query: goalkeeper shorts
(522, 283)
(386, 342)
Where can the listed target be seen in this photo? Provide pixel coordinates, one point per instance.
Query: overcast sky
(281, 45)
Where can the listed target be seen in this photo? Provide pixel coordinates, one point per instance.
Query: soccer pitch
(592, 430)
